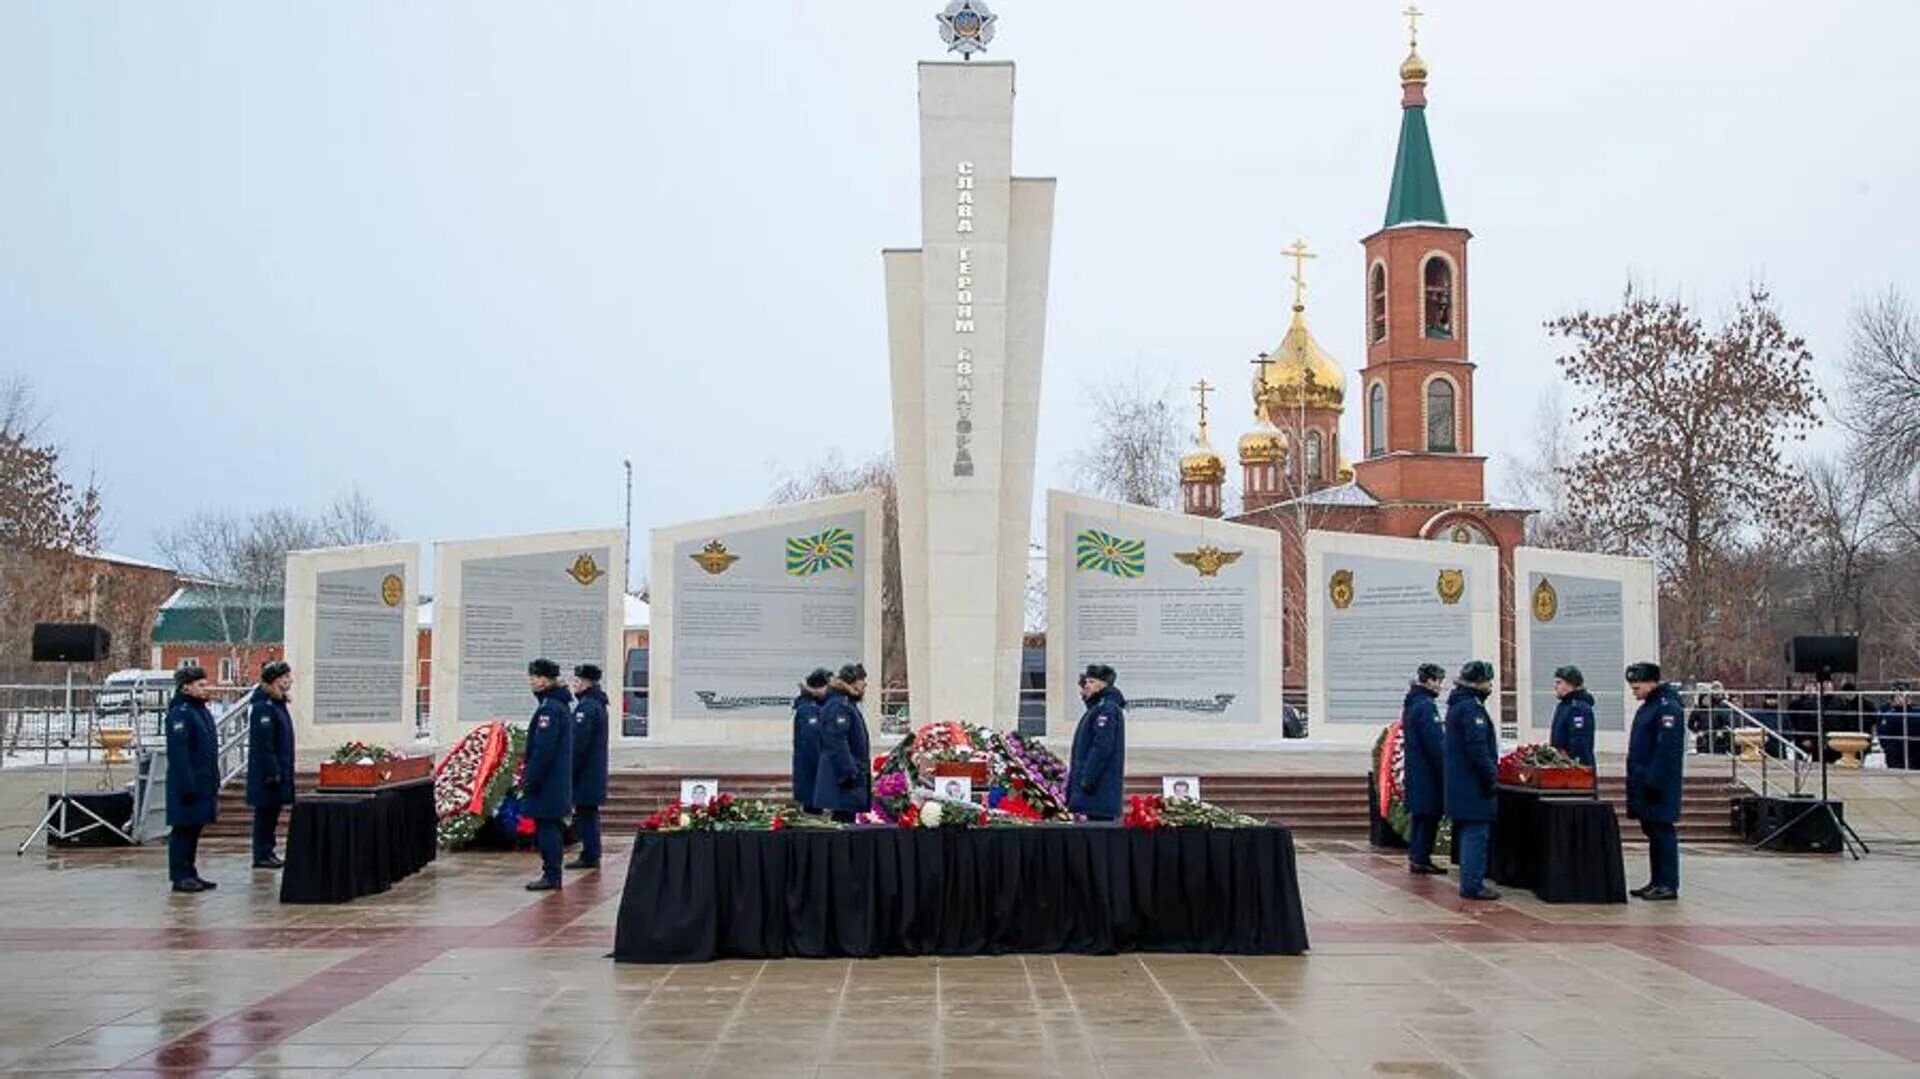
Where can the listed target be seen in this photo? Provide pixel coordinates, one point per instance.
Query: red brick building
(1417, 475)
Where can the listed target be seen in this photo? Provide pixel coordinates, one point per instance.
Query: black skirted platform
(1566, 849)
(344, 846)
(863, 892)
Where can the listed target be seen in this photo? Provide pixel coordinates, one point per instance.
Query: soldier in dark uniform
(1425, 749)
(546, 783)
(269, 760)
(1899, 724)
(589, 762)
(1573, 717)
(193, 776)
(1656, 748)
(1473, 774)
(806, 735)
(1098, 767)
(843, 780)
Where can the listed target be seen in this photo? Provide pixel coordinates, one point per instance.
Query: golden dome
(1202, 466)
(1343, 473)
(1301, 373)
(1413, 69)
(1264, 443)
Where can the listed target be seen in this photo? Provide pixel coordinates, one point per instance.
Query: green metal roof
(192, 616)
(1416, 182)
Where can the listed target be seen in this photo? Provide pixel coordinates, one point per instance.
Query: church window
(1437, 294)
(1440, 417)
(1315, 456)
(1376, 420)
(1377, 304)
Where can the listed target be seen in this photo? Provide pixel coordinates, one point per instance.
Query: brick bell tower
(1416, 390)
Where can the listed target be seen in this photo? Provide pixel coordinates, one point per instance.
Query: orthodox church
(1417, 475)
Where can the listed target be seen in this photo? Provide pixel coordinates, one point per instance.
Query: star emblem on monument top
(966, 26)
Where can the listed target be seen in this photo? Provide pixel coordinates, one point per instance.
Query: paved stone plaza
(1768, 967)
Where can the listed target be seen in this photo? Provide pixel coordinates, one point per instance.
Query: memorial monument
(966, 314)
(1596, 612)
(1377, 608)
(352, 643)
(499, 603)
(1186, 610)
(744, 606)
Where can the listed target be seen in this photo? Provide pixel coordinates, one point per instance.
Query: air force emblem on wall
(1451, 586)
(1340, 589)
(1103, 552)
(966, 26)
(1546, 602)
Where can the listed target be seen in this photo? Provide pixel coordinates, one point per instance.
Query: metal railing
(39, 720)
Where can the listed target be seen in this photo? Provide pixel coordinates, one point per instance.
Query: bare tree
(1682, 439)
(244, 564)
(1841, 555)
(834, 476)
(1135, 453)
(47, 526)
(1538, 479)
(351, 521)
(1882, 406)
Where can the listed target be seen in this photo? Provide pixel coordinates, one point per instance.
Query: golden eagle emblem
(715, 558)
(585, 570)
(1208, 559)
(392, 590)
(1546, 602)
(1340, 589)
(1451, 586)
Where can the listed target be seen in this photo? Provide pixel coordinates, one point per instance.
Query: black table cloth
(1566, 849)
(863, 892)
(343, 846)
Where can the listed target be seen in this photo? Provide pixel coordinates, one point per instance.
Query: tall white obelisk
(966, 315)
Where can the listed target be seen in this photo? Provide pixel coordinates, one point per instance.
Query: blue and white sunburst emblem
(966, 26)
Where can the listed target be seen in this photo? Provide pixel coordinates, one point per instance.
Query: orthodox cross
(1262, 361)
(1299, 253)
(1203, 388)
(1413, 25)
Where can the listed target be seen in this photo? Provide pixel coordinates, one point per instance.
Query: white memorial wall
(1185, 609)
(1377, 608)
(744, 606)
(352, 642)
(1595, 612)
(500, 603)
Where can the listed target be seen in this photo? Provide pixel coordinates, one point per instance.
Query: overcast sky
(470, 255)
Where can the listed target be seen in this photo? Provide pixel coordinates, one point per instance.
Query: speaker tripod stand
(1849, 839)
(55, 825)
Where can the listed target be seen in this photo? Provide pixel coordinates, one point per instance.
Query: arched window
(1377, 304)
(1440, 425)
(1315, 456)
(1437, 278)
(1376, 420)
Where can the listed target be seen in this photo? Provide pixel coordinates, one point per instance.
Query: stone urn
(115, 741)
(1750, 740)
(1851, 746)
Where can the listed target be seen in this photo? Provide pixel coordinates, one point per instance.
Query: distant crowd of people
(1801, 720)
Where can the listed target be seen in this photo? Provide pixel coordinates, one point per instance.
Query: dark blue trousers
(1420, 836)
(587, 820)
(266, 825)
(1663, 852)
(546, 836)
(183, 850)
(1474, 835)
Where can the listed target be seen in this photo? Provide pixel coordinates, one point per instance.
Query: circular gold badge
(392, 590)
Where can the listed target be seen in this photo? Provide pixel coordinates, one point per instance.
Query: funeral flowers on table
(360, 753)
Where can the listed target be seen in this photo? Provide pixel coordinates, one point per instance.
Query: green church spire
(1415, 195)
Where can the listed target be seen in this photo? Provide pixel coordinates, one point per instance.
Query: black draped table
(1565, 846)
(874, 891)
(341, 846)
